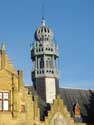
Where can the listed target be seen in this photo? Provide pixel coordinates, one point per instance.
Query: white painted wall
(50, 90)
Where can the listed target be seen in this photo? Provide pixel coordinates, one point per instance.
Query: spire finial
(3, 46)
(42, 9)
(43, 22)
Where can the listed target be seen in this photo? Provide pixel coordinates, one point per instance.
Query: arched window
(48, 63)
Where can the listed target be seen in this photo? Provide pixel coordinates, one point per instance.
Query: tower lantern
(44, 55)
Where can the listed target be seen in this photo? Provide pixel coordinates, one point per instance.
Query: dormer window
(77, 110)
(4, 101)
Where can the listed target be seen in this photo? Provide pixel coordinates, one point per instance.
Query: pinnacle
(3, 46)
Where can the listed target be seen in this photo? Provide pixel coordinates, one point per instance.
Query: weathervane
(43, 11)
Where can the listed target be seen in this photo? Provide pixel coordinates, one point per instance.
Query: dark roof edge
(76, 88)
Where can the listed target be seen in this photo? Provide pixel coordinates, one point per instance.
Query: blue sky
(72, 22)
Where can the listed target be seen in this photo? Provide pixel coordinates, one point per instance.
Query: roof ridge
(76, 88)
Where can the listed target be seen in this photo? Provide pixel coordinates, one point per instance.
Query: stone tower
(44, 55)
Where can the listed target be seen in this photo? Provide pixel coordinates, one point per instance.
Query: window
(48, 63)
(42, 71)
(39, 49)
(41, 63)
(4, 101)
(51, 49)
(22, 108)
(0, 101)
(45, 29)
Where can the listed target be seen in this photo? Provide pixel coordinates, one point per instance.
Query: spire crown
(43, 33)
